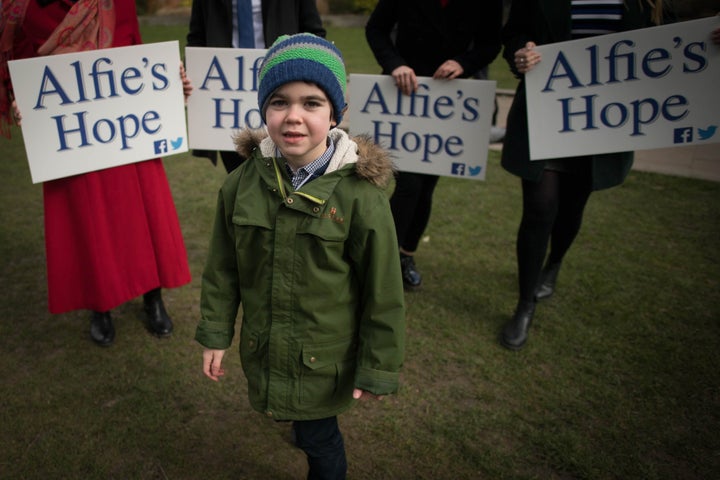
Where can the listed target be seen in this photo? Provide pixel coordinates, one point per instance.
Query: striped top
(595, 17)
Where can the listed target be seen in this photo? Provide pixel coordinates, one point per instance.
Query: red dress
(113, 234)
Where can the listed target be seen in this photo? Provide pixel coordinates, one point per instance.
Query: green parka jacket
(317, 271)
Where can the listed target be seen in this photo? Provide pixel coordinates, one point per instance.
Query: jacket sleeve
(516, 32)
(220, 294)
(378, 32)
(381, 340)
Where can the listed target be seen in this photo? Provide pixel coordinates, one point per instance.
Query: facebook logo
(161, 146)
(458, 169)
(683, 135)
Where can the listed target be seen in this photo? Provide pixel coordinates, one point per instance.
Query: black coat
(422, 35)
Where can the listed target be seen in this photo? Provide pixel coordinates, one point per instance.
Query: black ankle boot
(159, 322)
(515, 332)
(548, 278)
(102, 330)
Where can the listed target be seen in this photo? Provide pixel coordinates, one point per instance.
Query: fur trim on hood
(372, 162)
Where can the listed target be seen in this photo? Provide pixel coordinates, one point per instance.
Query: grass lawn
(619, 379)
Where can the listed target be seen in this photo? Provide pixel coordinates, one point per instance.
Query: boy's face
(299, 117)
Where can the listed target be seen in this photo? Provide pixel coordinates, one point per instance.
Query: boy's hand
(212, 363)
(363, 395)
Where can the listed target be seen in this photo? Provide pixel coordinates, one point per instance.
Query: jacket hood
(372, 162)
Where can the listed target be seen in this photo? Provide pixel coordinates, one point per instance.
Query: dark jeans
(323, 444)
(411, 203)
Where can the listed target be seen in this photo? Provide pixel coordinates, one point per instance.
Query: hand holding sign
(527, 57)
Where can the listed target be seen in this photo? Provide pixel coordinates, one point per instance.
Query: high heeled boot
(515, 332)
(548, 278)
(102, 330)
(159, 322)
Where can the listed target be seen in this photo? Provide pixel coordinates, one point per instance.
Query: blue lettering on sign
(624, 62)
(234, 115)
(104, 130)
(80, 128)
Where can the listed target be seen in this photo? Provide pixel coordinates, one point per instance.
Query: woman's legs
(574, 193)
(540, 207)
(552, 214)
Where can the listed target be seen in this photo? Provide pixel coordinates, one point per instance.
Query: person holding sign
(110, 235)
(304, 240)
(443, 39)
(555, 191)
(248, 24)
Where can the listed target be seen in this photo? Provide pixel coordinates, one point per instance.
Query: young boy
(305, 240)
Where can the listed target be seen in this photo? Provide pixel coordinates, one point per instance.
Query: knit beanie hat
(303, 57)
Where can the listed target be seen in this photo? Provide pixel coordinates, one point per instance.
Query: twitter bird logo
(475, 171)
(176, 143)
(705, 133)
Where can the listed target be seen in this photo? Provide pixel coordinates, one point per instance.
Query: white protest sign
(442, 129)
(92, 110)
(224, 98)
(650, 88)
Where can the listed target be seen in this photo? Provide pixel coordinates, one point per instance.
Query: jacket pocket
(327, 371)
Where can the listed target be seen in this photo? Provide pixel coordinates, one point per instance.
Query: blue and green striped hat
(304, 57)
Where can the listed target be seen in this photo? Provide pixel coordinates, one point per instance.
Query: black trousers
(323, 445)
(411, 204)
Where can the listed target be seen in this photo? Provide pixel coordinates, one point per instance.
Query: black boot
(411, 277)
(515, 332)
(159, 323)
(102, 330)
(548, 277)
